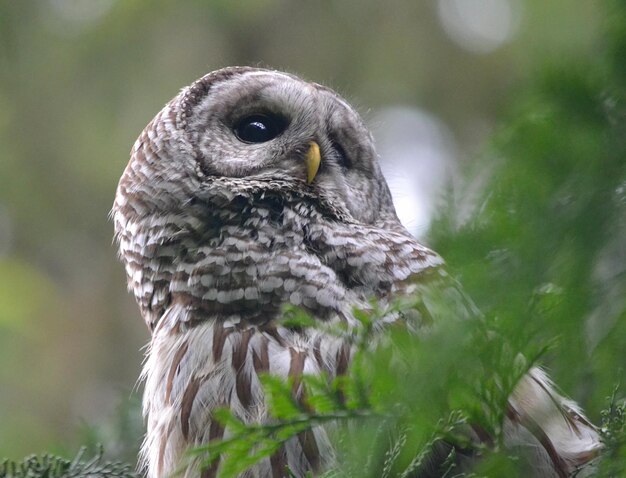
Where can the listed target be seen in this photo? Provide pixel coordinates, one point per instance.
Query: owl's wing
(550, 428)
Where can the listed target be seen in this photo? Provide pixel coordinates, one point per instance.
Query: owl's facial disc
(270, 128)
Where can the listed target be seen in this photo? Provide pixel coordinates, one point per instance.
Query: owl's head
(238, 127)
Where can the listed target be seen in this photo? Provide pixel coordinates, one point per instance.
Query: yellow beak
(312, 160)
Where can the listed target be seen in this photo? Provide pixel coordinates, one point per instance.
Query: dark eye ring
(259, 128)
(342, 157)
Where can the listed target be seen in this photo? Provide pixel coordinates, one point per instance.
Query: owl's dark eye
(259, 128)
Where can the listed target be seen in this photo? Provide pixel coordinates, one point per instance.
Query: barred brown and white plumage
(252, 189)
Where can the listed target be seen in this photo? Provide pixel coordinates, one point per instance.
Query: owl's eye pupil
(259, 128)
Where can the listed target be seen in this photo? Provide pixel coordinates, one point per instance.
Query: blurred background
(79, 79)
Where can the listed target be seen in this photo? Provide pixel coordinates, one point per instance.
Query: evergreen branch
(52, 466)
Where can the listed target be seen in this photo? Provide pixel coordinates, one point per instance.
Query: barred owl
(253, 189)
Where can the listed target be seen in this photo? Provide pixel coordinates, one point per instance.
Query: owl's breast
(245, 265)
(248, 265)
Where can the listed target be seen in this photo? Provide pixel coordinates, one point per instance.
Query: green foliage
(120, 435)
(613, 432)
(544, 248)
(50, 466)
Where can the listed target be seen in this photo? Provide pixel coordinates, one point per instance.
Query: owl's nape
(250, 190)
